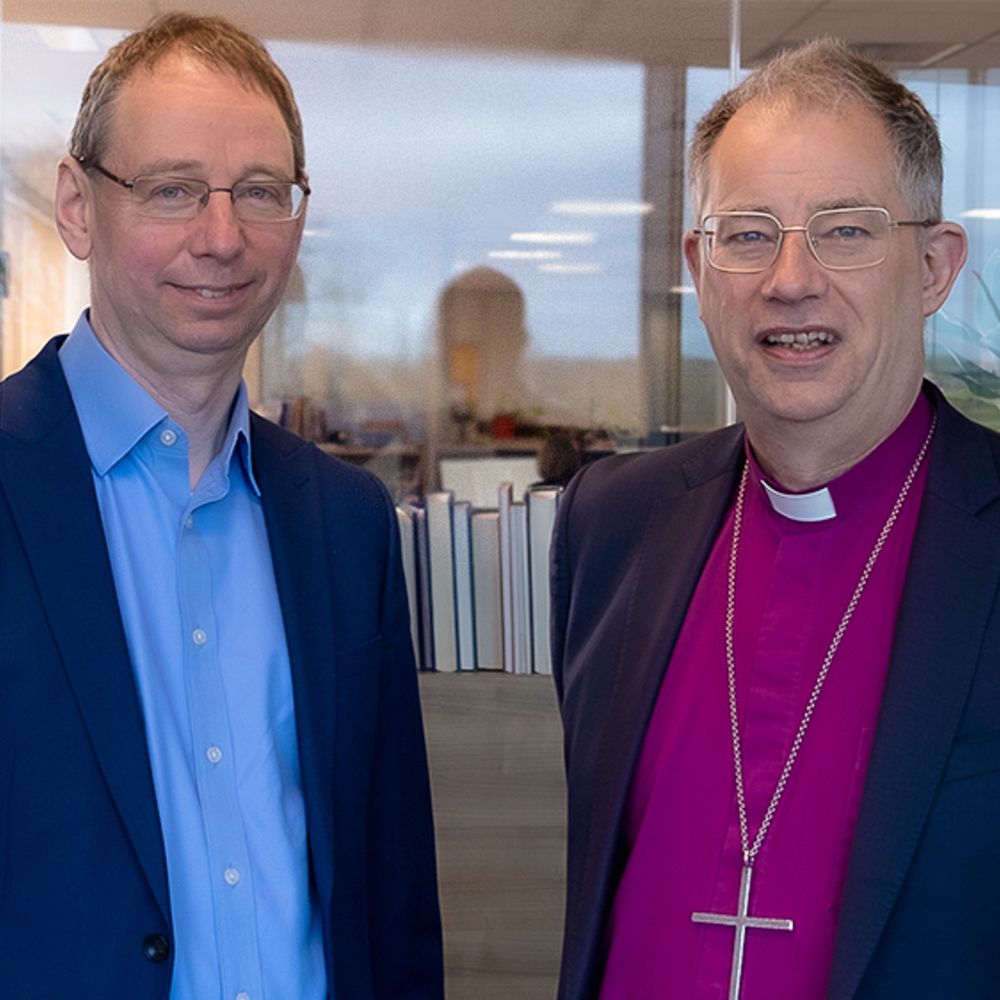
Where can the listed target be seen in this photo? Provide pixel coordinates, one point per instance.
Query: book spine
(542, 506)
(465, 617)
(486, 574)
(441, 554)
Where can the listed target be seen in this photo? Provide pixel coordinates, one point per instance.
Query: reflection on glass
(472, 269)
(963, 338)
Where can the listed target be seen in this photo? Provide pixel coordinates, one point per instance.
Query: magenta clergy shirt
(681, 828)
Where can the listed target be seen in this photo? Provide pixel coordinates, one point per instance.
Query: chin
(800, 407)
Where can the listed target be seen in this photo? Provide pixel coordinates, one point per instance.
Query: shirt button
(168, 437)
(214, 755)
(189, 522)
(242, 996)
(199, 636)
(231, 875)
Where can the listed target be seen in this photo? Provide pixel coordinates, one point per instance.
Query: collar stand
(814, 506)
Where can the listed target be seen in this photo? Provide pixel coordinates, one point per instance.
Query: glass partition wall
(492, 250)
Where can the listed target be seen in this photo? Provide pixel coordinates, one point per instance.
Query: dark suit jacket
(920, 915)
(83, 882)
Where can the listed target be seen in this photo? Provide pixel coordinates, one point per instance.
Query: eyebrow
(195, 168)
(823, 206)
(860, 202)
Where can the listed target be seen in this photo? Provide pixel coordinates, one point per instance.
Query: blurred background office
(491, 275)
(492, 250)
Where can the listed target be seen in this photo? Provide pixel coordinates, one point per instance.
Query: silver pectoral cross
(740, 921)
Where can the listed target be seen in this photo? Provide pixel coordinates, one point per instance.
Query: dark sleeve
(404, 916)
(561, 581)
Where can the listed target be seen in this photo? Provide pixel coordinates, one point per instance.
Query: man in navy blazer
(817, 325)
(234, 804)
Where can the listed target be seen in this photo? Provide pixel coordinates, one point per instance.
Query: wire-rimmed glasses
(841, 239)
(177, 199)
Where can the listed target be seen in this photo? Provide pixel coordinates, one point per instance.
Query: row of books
(478, 581)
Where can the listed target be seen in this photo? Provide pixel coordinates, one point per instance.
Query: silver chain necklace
(741, 920)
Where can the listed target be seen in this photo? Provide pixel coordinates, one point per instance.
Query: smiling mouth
(803, 340)
(216, 293)
(212, 293)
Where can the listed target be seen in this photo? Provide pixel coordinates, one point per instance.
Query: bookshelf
(495, 747)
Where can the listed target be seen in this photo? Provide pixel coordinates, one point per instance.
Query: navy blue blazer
(84, 902)
(920, 914)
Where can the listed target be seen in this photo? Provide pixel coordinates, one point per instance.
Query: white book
(542, 505)
(505, 502)
(465, 619)
(521, 587)
(486, 586)
(441, 554)
(408, 554)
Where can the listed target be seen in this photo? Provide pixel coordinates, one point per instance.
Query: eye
(844, 232)
(171, 192)
(261, 193)
(847, 227)
(748, 237)
(744, 233)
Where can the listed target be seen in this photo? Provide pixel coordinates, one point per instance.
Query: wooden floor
(495, 748)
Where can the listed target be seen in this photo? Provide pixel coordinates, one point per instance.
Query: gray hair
(827, 73)
(213, 40)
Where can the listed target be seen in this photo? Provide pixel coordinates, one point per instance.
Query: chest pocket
(974, 757)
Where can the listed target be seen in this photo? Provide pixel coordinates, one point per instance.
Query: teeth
(800, 341)
(210, 293)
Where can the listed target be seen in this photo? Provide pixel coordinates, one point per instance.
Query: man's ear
(74, 207)
(944, 251)
(692, 254)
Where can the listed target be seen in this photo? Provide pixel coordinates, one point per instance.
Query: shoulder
(33, 399)
(605, 513)
(640, 477)
(964, 467)
(280, 453)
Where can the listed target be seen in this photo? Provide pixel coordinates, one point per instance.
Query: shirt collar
(116, 413)
(880, 470)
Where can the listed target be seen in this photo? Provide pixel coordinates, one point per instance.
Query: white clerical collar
(815, 506)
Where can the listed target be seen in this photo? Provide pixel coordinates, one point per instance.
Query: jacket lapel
(51, 495)
(662, 585)
(294, 514)
(951, 583)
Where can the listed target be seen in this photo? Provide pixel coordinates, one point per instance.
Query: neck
(203, 413)
(197, 395)
(802, 456)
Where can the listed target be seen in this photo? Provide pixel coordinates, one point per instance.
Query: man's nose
(218, 228)
(796, 272)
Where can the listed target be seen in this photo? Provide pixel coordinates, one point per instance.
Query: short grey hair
(215, 41)
(827, 73)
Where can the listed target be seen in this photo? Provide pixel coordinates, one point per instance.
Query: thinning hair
(212, 40)
(826, 73)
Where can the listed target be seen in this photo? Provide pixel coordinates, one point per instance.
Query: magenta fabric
(681, 826)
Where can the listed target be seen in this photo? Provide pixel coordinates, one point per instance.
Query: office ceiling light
(601, 207)
(67, 39)
(556, 239)
(571, 268)
(525, 254)
(982, 213)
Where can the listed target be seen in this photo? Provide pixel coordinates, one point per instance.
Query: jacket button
(156, 947)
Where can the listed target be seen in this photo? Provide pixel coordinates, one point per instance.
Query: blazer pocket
(973, 757)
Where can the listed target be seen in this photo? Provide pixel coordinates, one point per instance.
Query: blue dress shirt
(200, 607)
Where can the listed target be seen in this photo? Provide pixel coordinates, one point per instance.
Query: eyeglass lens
(839, 238)
(183, 198)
